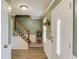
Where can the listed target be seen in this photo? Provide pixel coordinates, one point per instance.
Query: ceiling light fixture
(24, 7)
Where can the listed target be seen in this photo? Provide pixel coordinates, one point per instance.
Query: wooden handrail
(22, 31)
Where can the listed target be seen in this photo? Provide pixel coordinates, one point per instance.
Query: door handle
(5, 46)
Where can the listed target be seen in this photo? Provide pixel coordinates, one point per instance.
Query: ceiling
(36, 8)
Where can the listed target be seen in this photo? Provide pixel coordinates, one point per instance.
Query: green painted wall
(9, 2)
(32, 24)
(48, 16)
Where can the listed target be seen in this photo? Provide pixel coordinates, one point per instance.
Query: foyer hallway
(27, 22)
(31, 53)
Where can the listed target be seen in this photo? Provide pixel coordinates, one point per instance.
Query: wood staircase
(22, 32)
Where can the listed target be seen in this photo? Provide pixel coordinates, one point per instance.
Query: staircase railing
(22, 32)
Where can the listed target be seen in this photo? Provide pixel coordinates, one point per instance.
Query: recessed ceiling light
(24, 7)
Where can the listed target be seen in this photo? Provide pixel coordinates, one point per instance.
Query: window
(58, 36)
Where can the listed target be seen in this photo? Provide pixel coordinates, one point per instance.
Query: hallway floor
(32, 53)
(36, 45)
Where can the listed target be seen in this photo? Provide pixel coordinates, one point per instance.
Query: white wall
(48, 48)
(62, 11)
(33, 38)
(19, 43)
(5, 52)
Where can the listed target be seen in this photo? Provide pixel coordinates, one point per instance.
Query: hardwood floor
(31, 53)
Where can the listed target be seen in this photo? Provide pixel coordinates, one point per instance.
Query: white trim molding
(49, 6)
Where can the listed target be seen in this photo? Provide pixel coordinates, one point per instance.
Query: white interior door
(63, 37)
(5, 52)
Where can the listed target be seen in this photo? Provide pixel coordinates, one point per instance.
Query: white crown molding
(49, 6)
